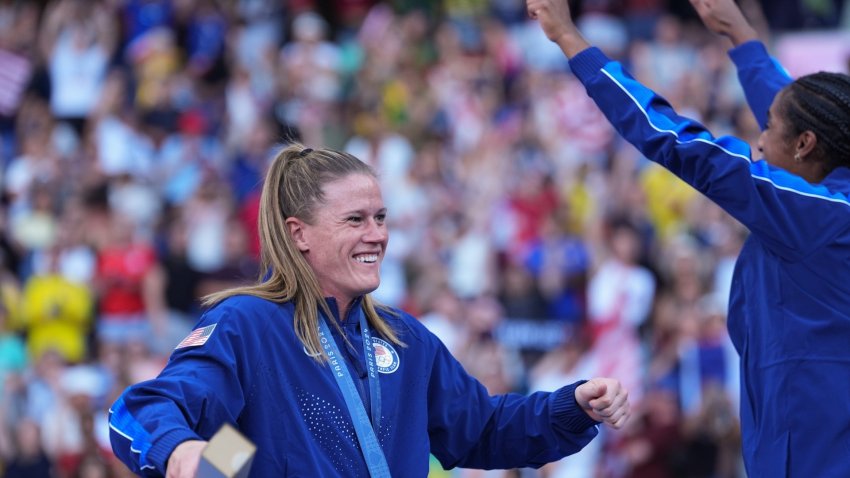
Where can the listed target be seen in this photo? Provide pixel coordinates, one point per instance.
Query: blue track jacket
(253, 372)
(789, 311)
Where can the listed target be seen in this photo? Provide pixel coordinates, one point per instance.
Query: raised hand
(724, 17)
(555, 19)
(605, 400)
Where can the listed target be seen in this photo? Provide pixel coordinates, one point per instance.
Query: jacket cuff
(160, 451)
(588, 62)
(748, 52)
(566, 412)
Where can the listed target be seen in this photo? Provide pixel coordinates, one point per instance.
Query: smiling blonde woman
(326, 382)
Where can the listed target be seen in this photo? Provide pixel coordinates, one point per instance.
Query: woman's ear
(805, 144)
(296, 232)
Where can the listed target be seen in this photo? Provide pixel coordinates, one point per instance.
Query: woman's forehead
(352, 191)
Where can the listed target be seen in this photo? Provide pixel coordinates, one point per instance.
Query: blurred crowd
(134, 135)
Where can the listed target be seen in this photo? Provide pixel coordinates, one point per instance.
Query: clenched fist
(605, 400)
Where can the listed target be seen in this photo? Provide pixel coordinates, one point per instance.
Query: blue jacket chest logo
(386, 358)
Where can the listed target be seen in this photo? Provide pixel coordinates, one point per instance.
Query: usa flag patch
(197, 337)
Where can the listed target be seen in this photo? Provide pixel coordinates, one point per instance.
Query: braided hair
(820, 103)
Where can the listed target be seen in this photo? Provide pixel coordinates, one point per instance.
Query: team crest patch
(386, 357)
(197, 337)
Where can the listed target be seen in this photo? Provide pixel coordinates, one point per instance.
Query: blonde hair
(293, 188)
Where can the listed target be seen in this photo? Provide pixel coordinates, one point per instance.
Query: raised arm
(725, 18)
(761, 76)
(789, 215)
(556, 20)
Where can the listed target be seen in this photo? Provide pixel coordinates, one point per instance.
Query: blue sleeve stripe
(124, 424)
(781, 179)
(121, 433)
(794, 184)
(742, 155)
(781, 68)
(836, 198)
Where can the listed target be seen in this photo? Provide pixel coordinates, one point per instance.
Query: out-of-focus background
(539, 247)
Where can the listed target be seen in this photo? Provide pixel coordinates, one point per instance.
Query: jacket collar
(838, 180)
(353, 312)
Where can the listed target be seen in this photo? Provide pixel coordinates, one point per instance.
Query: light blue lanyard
(375, 460)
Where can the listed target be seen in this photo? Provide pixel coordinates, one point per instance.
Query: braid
(827, 117)
(840, 86)
(820, 103)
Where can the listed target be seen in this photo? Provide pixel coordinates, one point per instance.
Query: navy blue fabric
(789, 311)
(253, 372)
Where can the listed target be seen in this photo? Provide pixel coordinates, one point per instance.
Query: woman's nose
(376, 232)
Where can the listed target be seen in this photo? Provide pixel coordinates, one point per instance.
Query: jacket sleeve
(199, 390)
(469, 428)
(788, 215)
(761, 77)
